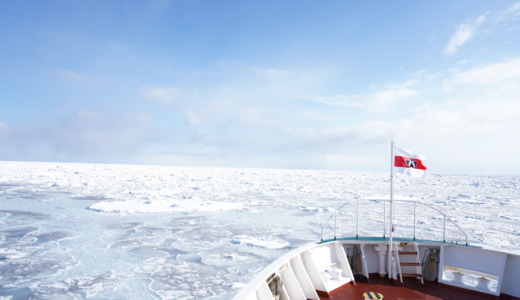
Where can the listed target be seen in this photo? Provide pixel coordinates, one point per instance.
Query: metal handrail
(444, 215)
(333, 215)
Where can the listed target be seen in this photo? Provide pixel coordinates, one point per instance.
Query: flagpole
(390, 271)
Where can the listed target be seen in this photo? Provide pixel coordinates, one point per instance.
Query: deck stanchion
(384, 219)
(389, 224)
(444, 229)
(414, 220)
(335, 223)
(357, 219)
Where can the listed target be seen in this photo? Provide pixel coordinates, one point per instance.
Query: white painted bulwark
(511, 281)
(303, 278)
(312, 270)
(263, 292)
(486, 271)
(474, 259)
(329, 266)
(291, 284)
(324, 267)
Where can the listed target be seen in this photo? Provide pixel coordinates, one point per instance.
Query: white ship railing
(350, 219)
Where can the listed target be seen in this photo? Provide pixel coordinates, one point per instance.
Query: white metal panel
(472, 262)
(341, 258)
(291, 284)
(264, 293)
(303, 278)
(371, 258)
(323, 256)
(510, 284)
(364, 261)
(323, 262)
(251, 296)
(312, 270)
(284, 295)
(474, 259)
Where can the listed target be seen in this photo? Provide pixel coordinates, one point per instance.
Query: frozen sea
(76, 231)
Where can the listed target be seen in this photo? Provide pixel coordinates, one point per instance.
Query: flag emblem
(411, 163)
(408, 162)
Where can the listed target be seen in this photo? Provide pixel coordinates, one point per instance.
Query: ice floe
(268, 243)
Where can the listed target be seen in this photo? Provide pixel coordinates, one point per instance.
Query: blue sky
(269, 84)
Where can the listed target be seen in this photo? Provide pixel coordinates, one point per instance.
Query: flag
(408, 163)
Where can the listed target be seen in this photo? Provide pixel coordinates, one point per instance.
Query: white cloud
(463, 34)
(338, 100)
(192, 118)
(227, 63)
(390, 95)
(72, 76)
(271, 73)
(474, 122)
(468, 131)
(83, 135)
(268, 121)
(498, 73)
(495, 22)
(80, 79)
(511, 11)
(382, 100)
(4, 127)
(159, 94)
(472, 125)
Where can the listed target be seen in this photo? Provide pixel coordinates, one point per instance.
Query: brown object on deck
(412, 289)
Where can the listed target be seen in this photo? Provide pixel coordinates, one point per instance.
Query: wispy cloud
(390, 95)
(338, 100)
(382, 99)
(88, 135)
(72, 76)
(498, 73)
(463, 34)
(271, 73)
(511, 12)
(79, 78)
(493, 21)
(164, 95)
(4, 127)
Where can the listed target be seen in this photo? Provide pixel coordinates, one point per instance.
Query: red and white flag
(408, 163)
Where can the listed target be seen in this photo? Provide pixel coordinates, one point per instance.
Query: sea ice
(267, 243)
(74, 231)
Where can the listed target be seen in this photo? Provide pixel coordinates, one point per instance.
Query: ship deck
(410, 289)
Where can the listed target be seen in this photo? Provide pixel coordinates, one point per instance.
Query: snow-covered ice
(74, 231)
(269, 243)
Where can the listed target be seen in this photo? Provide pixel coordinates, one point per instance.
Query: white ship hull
(330, 267)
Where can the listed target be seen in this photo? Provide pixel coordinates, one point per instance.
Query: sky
(262, 84)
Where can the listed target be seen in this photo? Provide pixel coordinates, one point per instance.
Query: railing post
(335, 216)
(414, 221)
(335, 223)
(444, 229)
(384, 219)
(357, 219)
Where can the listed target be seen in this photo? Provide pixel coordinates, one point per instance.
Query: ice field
(75, 231)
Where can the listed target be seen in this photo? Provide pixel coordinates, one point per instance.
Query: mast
(390, 271)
